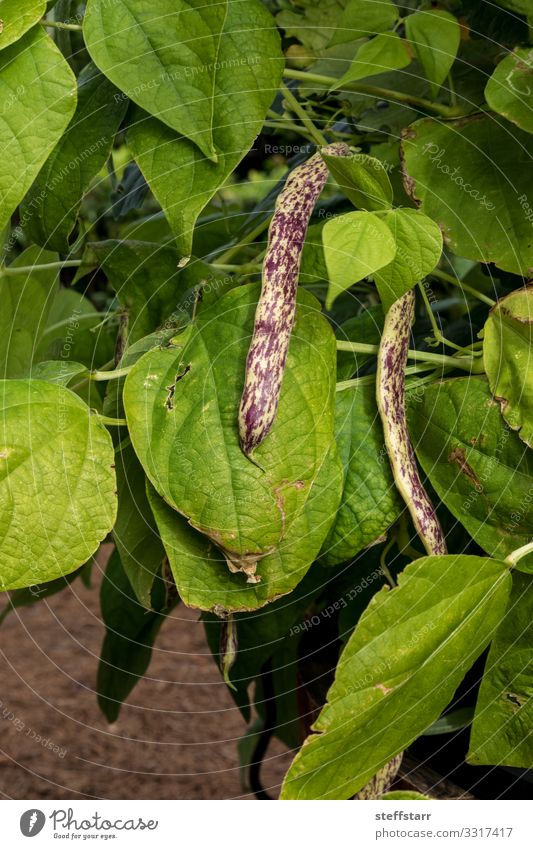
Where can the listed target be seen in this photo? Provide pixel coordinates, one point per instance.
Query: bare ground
(176, 739)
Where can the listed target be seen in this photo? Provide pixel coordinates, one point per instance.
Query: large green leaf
(363, 179)
(130, 635)
(370, 502)
(355, 245)
(26, 301)
(365, 17)
(434, 36)
(509, 91)
(17, 17)
(38, 92)
(181, 404)
(474, 177)
(57, 483)
(502, 732)
(149, 284)
(508, 359)
(200, 570)
(385, 52)
(479, 467)
(196, 66)
(400, 668)
(51, 206)
(418, 249)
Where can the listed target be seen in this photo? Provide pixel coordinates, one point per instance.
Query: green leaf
(197, 67)
(130, 635)
(479, 468)
(402, 665)
(182, 179)
(370, 502)
(314, 26)
(38, 92)
(363, 179)
(181, 404)
(74, 332)
(57, 489)
(451, 722)
(57, 371)
(201, 572)
(365, 17)
(405, 794)
(418, 250)
(135, 532)
(51, 206)
(502, 729)
(385, 52)
(17, 17)
(507, 352)
(473, 177)
(26, 300)
(150, 285)
(434, 36)
(355, 245)
(509, 91)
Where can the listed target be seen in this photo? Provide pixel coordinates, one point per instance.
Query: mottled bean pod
(390, 394)
(276, 310)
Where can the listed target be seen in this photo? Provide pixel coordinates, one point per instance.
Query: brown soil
(176, 739)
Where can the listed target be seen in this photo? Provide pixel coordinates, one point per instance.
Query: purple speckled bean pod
(390, 394)
(276, 310)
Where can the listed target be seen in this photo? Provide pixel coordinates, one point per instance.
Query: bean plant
(266, 328)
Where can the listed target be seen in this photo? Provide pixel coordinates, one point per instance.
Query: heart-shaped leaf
(181, 404)
(57, 483)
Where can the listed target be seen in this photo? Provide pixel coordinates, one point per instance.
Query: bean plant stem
(464, 363)
(107, 420)
(10, 270)
(449, 278)
(246, 240)
(377, 91)
(298, 110)
(513, 558)
(109, 375)
(60, 25)
(369, 379)
(436, 329)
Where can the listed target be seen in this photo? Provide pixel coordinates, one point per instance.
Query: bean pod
(392, 359)
(276, 310)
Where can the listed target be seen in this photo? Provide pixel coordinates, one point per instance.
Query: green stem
(369, 379)
(464, 363)
(439, 338)
(109, 375)
(377, 91)
(448, 278)
(513, 558)
(246, 240)
(10, 270)
(107, 420)
(247, 268)
(60, 25)
(298, 110)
